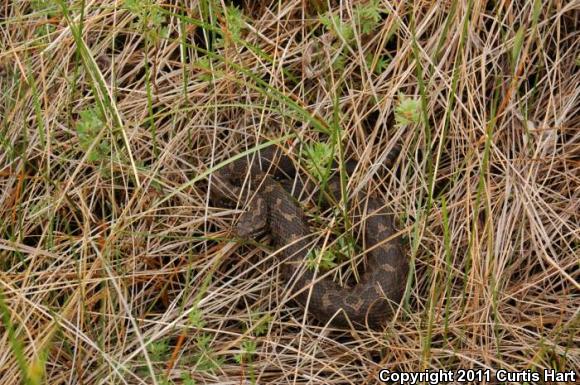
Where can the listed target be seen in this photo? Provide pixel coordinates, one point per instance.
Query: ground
(117, 268)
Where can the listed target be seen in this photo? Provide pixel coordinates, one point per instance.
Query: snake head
(254, 221)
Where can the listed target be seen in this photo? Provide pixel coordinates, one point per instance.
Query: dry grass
(114, 268)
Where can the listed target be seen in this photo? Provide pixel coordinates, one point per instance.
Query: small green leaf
(88, 128)
(202, 342)
(150, 19)
(324, 261)
(536, 11)
(319, 157)
(158, 350)
(206, 74)
(346, 247)
(261, 323)
(164, 32)
(187, 380)
(247, 352)
(339, 63)
(408, 111)
(235, 21)
(518, 43)
(339, 28)
(205, 359)
(132, 6)
(249, 347)
(367, 16)
(37, 368)
(196, 318)
(382, 63)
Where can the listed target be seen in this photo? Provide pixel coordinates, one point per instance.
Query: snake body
(273, 209)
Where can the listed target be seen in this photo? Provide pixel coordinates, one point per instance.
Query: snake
(273, 209)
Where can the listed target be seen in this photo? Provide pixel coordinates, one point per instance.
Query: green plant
(517, 47)
(187, 380)
(343, 249)
(46, 9)
(339, 28)
(32, 373)
(382, 62)
(324, 260)
(247, 352)
(205, 65)
(407, 111)
(259, 322)
(366, 19)
(88, 129)
(150, 19)
(318, 159)
(246, 356)
(196, 318)
(158, 350)
(164, 381)
(204, 358)
(235, 21)
(367, 16)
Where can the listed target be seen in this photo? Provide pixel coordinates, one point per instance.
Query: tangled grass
(115, 267)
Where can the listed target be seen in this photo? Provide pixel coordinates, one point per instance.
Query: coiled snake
(272, 209)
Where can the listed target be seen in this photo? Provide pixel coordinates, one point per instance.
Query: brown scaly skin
(273, 209)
